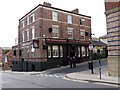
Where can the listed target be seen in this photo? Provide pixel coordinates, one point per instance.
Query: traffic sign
(90, 46)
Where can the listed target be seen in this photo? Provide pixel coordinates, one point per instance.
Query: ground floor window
(61, 51)
(55, 51)
(87, 52)
(83, 51)
(78, 51)
(49, 51)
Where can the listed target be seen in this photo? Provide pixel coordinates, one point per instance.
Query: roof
(8, 53)
(4, 48)
(54, 8)
(99, 43)
(104, 37)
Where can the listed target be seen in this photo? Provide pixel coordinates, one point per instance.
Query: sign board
(35, 43)
(90, 47)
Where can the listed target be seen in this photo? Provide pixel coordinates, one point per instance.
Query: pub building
(49, 36)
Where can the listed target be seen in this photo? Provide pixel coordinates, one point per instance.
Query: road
(49, 79)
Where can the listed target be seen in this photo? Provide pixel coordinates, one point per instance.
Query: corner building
(113, 36)
(48, 36)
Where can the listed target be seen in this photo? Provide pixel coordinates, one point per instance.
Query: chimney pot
(76, 11)
(47, 4)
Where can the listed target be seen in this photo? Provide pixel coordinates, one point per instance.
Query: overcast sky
(13, 10)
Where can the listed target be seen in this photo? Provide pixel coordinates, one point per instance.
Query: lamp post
(98, 51)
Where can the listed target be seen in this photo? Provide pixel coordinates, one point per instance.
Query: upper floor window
(23, 36)
(27, 20)
(32, 18)
(33, 32)
(70, 33)
(55, 32)
(69, 19)
(82, 34)
(27, 34)
(82, 21)
(54, 16)
(22, 24)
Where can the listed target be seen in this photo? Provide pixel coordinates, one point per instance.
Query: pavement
(87, 76)
(82, 75)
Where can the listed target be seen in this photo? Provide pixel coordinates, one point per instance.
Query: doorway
(33, 67)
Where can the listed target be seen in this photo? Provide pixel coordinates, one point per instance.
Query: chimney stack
(47, 4)
(76, 11)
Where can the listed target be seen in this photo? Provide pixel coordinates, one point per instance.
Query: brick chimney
(110, 4)
(76, 11)
(47, 4)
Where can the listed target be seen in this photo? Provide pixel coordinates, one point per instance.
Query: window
(87, 51)
(82, 21)
(27, 20)
(27, 34)
(55, 32)
(22, 24)
(55, 51)
(78, 51)
(83, 51)
(82, 34)
(70, 33)
(61, 51)
(69, 18)
(32, 52)
(27, 52)
(54, 16)
(32, 18)
(33, 32)
(49, 51)
(23, 36)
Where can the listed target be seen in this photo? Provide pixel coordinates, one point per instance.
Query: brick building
(48, 36)
(113, 36)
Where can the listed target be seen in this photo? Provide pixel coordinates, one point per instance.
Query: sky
(13, 10)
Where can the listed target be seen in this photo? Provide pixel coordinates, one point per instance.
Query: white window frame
(55, 30)
(23, 24)
(28, 21)
(33, 19)
(69, 19)
(28, 34)
(61, 51)
(33, 32)
(83, 51)
(55, 51)
(49, 51)
(55, 16)
(32, 51)
(23, 36)
(82, 34)
(70, 32)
